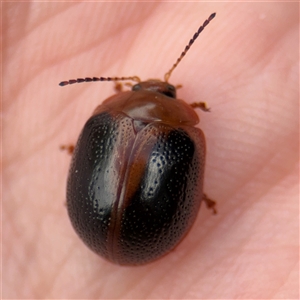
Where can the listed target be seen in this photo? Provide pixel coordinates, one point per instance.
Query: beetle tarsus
(201, 105)
(68, 148)
(118, 87)
(210, 204)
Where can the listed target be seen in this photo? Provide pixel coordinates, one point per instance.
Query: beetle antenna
(187, 47)
(89, 79)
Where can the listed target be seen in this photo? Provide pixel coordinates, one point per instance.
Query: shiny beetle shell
(136, 178)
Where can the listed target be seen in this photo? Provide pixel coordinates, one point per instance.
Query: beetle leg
(211, 204)
(118, 87)
(68, 148)
(201, 105)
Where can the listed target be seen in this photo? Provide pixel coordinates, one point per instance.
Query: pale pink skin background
(244, 66)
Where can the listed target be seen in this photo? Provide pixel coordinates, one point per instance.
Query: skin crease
(244, 66)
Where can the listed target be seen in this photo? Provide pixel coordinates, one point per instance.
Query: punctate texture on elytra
(136, 177)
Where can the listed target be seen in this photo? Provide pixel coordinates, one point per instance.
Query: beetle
(135, 182)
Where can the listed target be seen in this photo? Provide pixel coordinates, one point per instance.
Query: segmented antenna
(135, 78)
(89, 79)
(168, 74)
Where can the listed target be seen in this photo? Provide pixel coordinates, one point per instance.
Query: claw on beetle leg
(210, 204)
(201, 105)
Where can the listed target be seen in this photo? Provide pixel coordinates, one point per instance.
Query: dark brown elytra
(136, 179)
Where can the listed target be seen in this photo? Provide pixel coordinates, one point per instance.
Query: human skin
(244, 66)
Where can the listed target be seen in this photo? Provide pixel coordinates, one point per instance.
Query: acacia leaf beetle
(136, 178)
